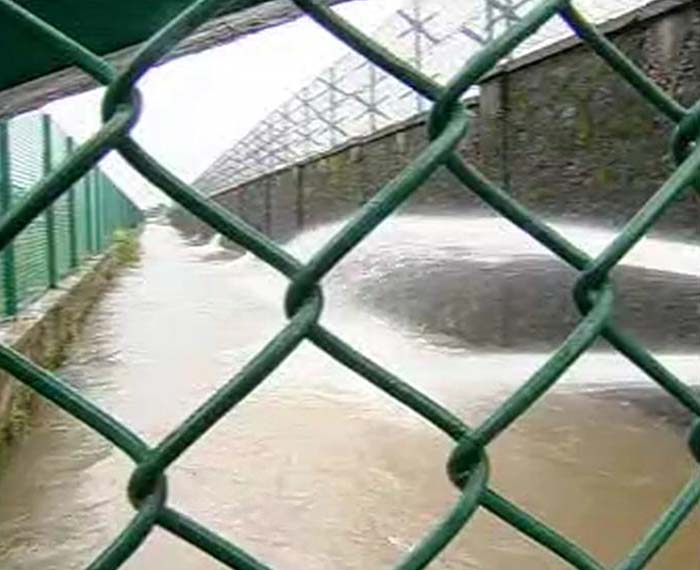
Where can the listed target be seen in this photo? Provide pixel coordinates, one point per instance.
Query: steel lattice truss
(354, 98)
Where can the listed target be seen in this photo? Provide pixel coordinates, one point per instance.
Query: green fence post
(72, 228)
(108, 210)
(9, 275)
(97, 189)
(50, 221)
(88, 213)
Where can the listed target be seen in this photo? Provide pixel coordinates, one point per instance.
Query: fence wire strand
(468, 464)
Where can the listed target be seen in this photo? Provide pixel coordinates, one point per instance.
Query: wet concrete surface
(317, 469)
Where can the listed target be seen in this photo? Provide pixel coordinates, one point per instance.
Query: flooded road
(319, 470)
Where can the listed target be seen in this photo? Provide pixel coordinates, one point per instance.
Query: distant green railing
(79, 224)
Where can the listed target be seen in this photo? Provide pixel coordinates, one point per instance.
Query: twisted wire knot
(145, 484)
(686, 136)
(302, 290)
(118, 98)
(694, 440)
(589, 287)
(464, 459)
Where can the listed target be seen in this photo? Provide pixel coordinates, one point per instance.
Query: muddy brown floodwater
(317, 469)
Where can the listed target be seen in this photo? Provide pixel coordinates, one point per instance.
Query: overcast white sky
(197, 107)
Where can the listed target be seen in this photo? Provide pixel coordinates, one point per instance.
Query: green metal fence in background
(468, 464)
(79, 224)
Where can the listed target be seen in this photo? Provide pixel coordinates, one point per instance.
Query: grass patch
(127, 249)
(16, 424)
(20, 415)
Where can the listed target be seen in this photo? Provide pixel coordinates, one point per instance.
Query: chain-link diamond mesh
(468, 465)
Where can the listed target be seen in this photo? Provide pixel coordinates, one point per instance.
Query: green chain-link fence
(78, 224)
(468, 465)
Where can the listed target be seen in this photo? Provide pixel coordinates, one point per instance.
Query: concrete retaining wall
(569, 137)
(42, 332)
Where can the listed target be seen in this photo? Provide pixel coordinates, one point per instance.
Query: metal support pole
(490, 23)
(97, 189)
(9, 274)
(372, 98)
(418, 51)
(88, 213)
(72, 227)
(332, 104)
(50, 220)
(306, 125)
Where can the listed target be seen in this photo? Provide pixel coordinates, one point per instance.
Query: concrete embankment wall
(42, 332)
(558, 128)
